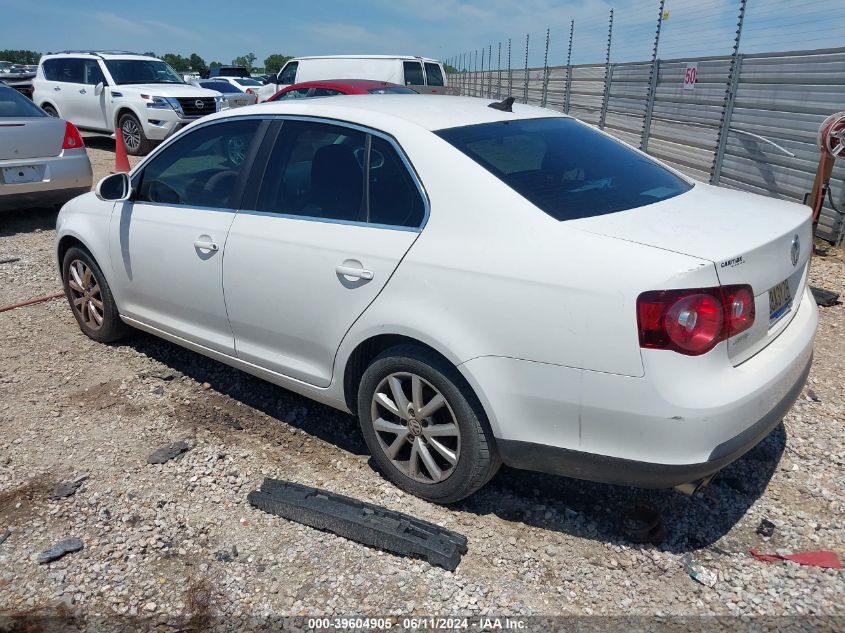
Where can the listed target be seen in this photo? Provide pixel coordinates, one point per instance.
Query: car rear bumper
(687, 418)
(64, 177)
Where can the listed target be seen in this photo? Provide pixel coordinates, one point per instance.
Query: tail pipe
(691, 487)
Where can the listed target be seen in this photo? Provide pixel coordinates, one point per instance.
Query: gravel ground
(178, 540)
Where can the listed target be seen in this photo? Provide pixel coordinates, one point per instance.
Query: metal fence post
(546, 71)
(525, 83)
(475, 76)
(510, 70)
(489, 71)
(568, 88)
(730, 96)
(481, 76)
(499, 80)
(654, 73)
(608, 73)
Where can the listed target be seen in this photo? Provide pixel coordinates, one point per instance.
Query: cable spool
(831, 136)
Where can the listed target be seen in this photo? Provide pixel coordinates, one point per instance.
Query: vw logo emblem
(200, 105)
(795, 251)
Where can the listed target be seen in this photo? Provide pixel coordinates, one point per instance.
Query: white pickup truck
(104, 91)
(424, 75)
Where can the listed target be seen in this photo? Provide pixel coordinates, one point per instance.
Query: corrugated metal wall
(783, 97)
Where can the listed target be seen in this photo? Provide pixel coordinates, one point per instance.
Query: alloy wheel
(131, 134)
(416, 428)
(85, 294)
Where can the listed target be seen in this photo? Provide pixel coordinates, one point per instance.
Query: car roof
(363, 85)
(386, 112)
(100, 54)
(406, 57)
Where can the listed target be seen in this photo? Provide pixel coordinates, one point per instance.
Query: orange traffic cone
(121, 161)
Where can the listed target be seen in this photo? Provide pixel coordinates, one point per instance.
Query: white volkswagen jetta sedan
(478, 285)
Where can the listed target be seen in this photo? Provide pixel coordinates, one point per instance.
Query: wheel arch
(125, 109)
(48, 102)
(365, 351)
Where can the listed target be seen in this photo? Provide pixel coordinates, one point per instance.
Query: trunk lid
(35, 137)
(749, 238)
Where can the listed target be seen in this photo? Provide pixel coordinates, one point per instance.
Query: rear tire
(424, 426)
(50, 110)
(90, 297)
(134, 139)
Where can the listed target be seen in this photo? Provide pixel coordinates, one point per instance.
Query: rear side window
(200, 169)
(316, 170)
(288, 74)
(325, 92)
(14, 104)
(413, 74)
(565, 167)
(433, 74)
(299, 93)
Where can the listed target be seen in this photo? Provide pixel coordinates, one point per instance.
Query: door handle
(57, 87)
(353, 271)
(206, 245)
(82, 91)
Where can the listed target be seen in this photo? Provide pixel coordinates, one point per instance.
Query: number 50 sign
(690, 76)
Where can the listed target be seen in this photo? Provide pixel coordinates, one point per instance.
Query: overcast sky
(221, 30)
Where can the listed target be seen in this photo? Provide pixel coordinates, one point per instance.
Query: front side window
(92, 74)
(325, 92)
(566, 168)
(288, 73)
(201, 169)
(433, 74)
(142, 71)
(413, 74)
(299, 93)
(316, 170)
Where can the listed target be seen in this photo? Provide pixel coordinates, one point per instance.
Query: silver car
(233, 96)
(43, 161)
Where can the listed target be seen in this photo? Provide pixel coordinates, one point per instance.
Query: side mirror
(116, 188)
(98, 89)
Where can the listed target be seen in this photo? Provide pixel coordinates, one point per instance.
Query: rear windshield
(392, 90)
(247, 81)
(220, 86)
(13, 104)
(566, 168)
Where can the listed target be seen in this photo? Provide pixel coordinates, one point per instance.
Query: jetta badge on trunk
(796, 250)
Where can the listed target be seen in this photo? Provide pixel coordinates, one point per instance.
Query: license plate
(780, 301)
(24, 173)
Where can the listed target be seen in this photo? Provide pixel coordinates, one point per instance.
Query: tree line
(191, 63)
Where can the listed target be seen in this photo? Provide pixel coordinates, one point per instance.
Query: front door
(167, 243)
(337, 210)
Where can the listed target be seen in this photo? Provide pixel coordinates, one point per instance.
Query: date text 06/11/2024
(418, 623)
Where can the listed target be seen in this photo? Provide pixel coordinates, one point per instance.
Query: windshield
(220, 86)
(13, 104)
(142, 71)
(393, 90)
(566, 168)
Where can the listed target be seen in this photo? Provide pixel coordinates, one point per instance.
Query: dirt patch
(21, 499)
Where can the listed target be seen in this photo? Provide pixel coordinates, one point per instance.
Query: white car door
(322, 239)
(167, 243)
(91, 106)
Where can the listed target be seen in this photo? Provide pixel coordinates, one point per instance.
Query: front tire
(424, 426)
(136, 142)
(90, 297)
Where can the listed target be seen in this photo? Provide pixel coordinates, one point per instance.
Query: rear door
(336, 211)
(90, 107)
(414, 75)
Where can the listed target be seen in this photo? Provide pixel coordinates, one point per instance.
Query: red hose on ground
(30, 302)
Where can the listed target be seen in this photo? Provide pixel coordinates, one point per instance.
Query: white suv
(104, 91)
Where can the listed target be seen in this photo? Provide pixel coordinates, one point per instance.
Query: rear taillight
(693, 321)
(250, 91)
(72, 138)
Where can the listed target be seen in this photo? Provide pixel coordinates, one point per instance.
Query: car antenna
(505, 105)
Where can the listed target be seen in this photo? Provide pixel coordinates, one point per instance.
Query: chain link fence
(732, 92)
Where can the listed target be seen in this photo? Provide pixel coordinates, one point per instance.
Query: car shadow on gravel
(318, 420)
(99, 141)
(591, 510)
(26, 221)
(580, 508)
